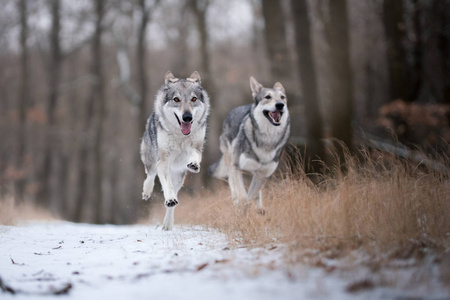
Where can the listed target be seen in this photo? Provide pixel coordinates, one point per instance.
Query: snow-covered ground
(82, 261)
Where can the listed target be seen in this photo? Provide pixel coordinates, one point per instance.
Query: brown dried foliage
(382, 203)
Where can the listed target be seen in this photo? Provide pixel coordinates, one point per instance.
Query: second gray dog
(252, 139)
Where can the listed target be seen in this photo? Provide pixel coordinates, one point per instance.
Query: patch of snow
(83, 261)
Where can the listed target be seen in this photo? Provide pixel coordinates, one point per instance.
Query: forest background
(78, 79)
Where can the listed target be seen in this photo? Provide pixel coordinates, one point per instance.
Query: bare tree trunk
(83, 159)
(142, 65)
(279, 56)
(437, 22)
(275, 35)
(115, 217)
(97, 96)
(63, 183)
(54, 80)
(314, 148)
(180, 64)
(341, 89)
(94, 116)
(23, 97)
(55, 149)
(445, 48)
(257, 36)
(143, 80)
(68, 161)
(200, 9)
(416, 79)
(395, 30)
(83, 174)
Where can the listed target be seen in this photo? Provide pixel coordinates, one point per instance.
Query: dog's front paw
(193, 167)
(167, 227)
(171, 202)
(145, 196)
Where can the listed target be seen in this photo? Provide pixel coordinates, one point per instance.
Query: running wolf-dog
(173, 139)
(252, 139)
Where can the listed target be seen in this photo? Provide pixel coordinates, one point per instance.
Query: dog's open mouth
(274, 117)
(185, 126)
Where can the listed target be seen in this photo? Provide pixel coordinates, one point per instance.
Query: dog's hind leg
(149, 183)
(254, 192)
(169, 218)
(237, 186)
(235, 178)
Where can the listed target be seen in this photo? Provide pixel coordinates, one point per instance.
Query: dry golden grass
(381, 204)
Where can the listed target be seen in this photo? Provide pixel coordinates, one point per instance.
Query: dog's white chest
(171, 142)
(178, 150)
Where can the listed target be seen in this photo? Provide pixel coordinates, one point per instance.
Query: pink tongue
(186, 127)
(275, 116)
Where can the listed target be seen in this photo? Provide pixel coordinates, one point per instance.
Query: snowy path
(84, 261)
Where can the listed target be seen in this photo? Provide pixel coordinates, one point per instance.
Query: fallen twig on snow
(14, 263)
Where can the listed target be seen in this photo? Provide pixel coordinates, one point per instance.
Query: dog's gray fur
(173, 139)
(252, 139)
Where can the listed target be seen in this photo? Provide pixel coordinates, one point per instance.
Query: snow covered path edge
(141, 261)
(82, 261)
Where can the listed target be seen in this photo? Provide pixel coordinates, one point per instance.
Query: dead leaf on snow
(202, 266)
(360, 285)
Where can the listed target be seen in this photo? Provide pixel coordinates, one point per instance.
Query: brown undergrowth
(384, 205)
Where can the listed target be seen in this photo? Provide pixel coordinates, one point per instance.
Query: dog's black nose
(279, 105)
(187, 117)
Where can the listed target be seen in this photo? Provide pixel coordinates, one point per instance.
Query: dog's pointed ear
(169, 77)
(279, 86)
(195, 77)
(255, 86)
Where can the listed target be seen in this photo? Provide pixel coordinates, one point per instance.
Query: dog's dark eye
(194, 99)
(176, 99)
(267, 97)
(282, 97)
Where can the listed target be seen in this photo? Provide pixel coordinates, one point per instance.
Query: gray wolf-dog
(252, 140)
(173, 139)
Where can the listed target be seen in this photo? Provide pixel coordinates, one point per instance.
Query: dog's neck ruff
(265, 134)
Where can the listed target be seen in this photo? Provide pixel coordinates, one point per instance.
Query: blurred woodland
(78, 78)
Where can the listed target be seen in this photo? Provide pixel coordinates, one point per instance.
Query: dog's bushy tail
(220, 169)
